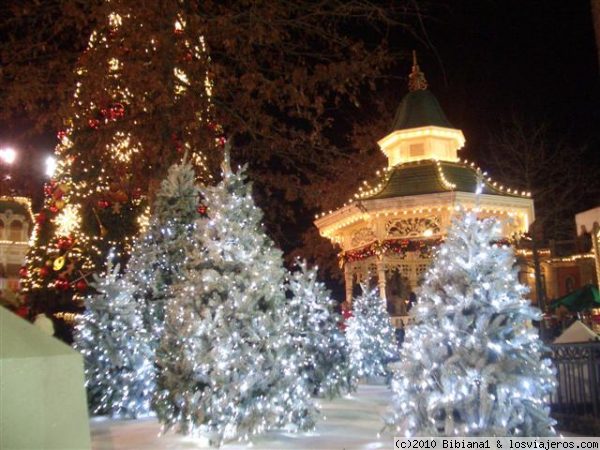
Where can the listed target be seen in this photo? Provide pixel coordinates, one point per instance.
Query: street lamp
(50, 166)
(8, 155)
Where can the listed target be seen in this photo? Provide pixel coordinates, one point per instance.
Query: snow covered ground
(351, 423)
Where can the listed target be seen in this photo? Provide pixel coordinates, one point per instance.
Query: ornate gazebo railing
(578, 373)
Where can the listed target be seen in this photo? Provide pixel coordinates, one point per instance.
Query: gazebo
(388, 229)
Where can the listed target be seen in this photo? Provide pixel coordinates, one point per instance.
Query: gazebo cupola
(420, 129)
(388, 229)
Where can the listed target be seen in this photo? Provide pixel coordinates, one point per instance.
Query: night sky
(535, 59)
(487, 60)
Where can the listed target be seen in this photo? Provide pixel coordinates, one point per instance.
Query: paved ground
(349, 423)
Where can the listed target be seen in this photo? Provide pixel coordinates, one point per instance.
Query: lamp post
(50, 166)
(8, 155)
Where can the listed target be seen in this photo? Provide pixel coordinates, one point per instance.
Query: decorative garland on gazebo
(424, 247)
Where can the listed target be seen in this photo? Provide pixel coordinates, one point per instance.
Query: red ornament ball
(62, 284)
(94, 123)
(57, 194)
(113, 112)
(202, 209)
(117, 110)
(81, 285)
(64, 243)
(103, 204)
(23, 272)
(44, 271)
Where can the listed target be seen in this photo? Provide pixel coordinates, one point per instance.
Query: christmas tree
(371, 335)
(323, 352)
(119, 367)
(472, 364)
(142, 99)
(226, 358)
(159, 254)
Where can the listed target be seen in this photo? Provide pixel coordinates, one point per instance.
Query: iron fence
(578, 373)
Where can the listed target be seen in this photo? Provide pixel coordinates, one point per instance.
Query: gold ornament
(59, 204)
(59, 263)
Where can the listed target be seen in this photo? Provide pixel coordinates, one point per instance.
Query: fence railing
(578, 373)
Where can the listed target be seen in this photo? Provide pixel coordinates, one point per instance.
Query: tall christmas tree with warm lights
(119, 362)
(226, 361)
(472, 364)
(371, 335)
(142, 99)
(323, 352)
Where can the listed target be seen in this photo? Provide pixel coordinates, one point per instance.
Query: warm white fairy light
(68, 220)
(122, 149)
(114, 64)
(101, 111)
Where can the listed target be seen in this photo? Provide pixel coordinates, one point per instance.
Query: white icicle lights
(371, 336)
(322, 351)
(472, 363)
(226, 361)
(119, 368)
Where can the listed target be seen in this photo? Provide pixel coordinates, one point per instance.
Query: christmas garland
(424, 247)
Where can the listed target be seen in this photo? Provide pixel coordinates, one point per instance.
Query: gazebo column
(381, 279)
(348, 282)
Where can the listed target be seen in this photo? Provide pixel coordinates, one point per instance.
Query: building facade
(16, 224)
(589, 222)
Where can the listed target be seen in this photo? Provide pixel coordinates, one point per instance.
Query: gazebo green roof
(419, 108)
(429, 177)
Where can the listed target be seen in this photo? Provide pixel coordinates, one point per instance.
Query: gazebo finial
(416, 79)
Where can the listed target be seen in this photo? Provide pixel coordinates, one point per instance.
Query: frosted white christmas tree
(371, 335)
(323, 352)
(472, 364)
(226, 358)
(159, 253)
(119, 366)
